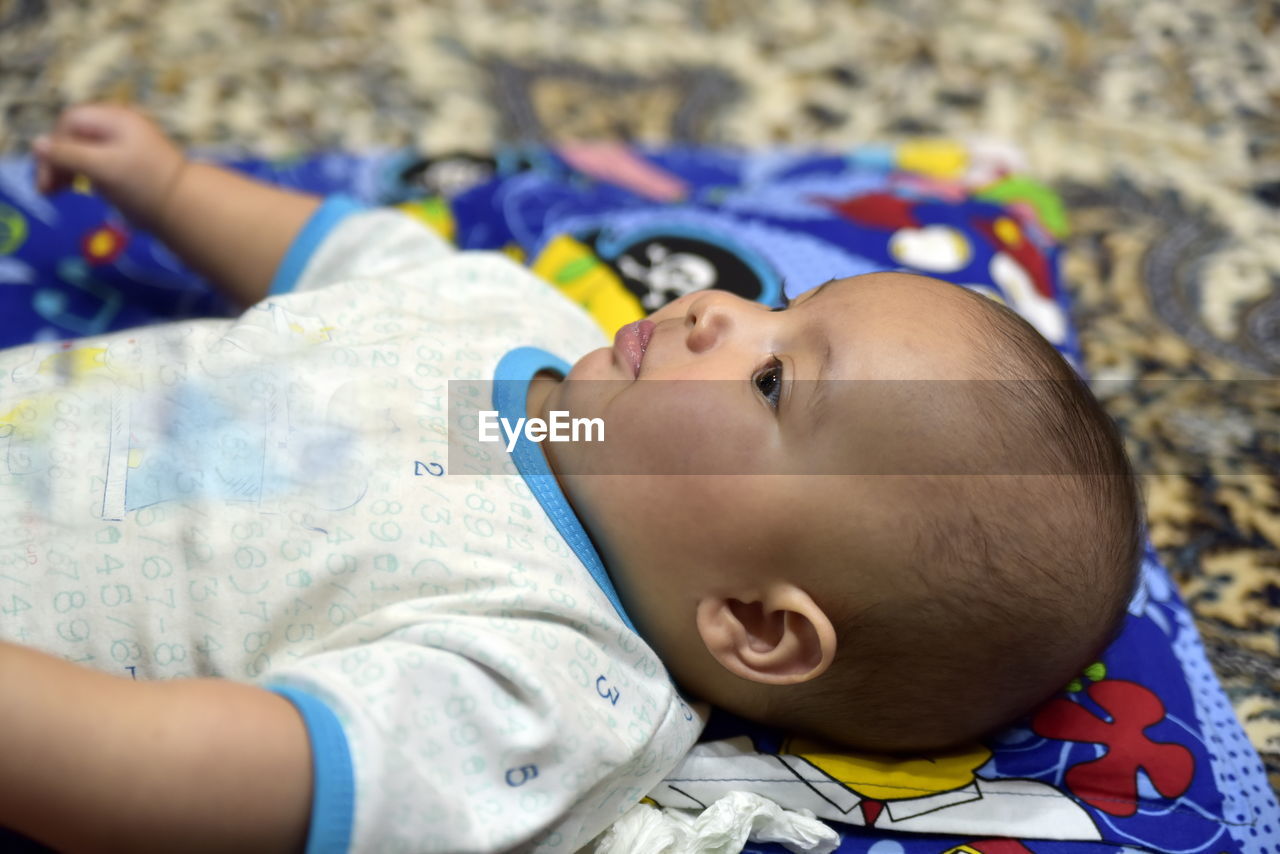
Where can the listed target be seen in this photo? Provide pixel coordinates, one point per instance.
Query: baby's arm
(229, 227)
(95, 762)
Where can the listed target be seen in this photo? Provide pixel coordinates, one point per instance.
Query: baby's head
(895, 566)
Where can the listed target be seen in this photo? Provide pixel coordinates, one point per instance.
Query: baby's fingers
(58, 161)
(95, 122)
(44, 176)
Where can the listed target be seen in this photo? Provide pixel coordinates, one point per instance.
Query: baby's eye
(768, 382)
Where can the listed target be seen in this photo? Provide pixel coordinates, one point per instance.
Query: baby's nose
(705, 322)
(712, 316)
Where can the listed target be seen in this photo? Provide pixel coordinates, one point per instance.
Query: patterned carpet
(1155, 119)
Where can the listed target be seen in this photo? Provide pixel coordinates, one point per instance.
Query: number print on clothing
(432, 468)
(606, 691)
(270, 525)
(519, 776)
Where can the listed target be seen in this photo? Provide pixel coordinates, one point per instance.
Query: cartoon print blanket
(1141, 752)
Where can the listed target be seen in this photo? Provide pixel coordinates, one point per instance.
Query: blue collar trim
(511, 378)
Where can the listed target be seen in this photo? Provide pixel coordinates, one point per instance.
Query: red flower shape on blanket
(1110, 782)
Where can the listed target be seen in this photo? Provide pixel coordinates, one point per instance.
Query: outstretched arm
(224, 225)
(95, 762)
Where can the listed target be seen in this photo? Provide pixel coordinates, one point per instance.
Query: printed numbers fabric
(270, 499)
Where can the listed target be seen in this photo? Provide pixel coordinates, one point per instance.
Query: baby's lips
(631, 341)
(644, 331)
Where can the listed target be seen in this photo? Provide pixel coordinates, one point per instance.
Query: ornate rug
(1156, 120)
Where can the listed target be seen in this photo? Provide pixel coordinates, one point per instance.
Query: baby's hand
(128, 159)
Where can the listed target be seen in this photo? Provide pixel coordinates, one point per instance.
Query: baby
(251, 575)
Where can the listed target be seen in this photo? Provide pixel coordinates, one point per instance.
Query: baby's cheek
(667, 436)
(593, 366)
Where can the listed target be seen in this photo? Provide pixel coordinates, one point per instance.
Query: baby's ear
(778, 637)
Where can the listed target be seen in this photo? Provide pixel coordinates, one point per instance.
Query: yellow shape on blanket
(434, 212)
(581, 276)
(937, 158)
(1008, 231)
(13, 229)
(887, 778)
(135, 457)
(101, 243)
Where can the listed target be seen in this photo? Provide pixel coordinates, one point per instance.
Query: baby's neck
(540, 388)
(537, 404)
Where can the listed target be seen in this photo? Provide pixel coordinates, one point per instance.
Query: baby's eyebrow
(812, 293)
(817, 398)
(815, 332)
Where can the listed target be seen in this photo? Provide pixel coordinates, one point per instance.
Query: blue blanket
(1141, 752)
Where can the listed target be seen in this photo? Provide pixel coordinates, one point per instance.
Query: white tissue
(722, 828)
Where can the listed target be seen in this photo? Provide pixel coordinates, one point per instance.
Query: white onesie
(272, 499)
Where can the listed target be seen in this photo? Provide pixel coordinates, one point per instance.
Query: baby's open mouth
(630, 343)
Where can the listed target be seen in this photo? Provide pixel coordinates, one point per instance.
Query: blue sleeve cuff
(333, 783)
(332, 211)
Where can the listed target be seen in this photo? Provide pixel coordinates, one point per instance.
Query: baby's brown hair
(1013, 575)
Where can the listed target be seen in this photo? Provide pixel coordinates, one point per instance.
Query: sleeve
(489, 746)
(346, 239)
(333, 789)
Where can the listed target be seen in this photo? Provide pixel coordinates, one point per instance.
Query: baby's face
(723, 478)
